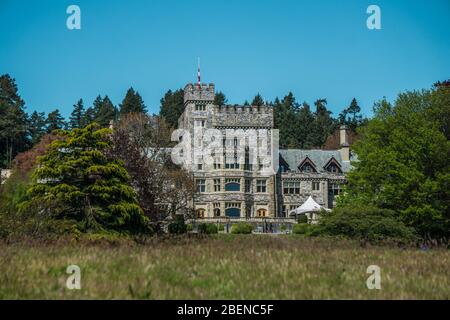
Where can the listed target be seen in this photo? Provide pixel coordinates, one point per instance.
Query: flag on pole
(198, 74)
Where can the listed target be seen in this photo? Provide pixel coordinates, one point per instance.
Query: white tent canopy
(308, 206)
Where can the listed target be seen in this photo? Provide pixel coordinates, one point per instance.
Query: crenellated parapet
(194, 92)
(243, 116)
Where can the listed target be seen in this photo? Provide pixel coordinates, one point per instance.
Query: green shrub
(221, 227)
(283, 228)
(301, 228)
(369, 223)
(189, 227)
(207, 228)
(242, 228)
(178, 226)
(302, 218)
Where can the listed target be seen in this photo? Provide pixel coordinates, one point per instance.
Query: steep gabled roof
(320, 158)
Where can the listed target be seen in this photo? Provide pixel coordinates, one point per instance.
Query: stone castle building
(241, 189)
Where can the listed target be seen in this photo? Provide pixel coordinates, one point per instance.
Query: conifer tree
(36, 126)
(354, 111)
(258, 100)
(220, 99)
(89, 116)
(323, 125)
(13, 121)
(77, 181)
(55, 121)
(77, 115)
(106, 112)
(103, 111)
(132, 103)
(172, 106)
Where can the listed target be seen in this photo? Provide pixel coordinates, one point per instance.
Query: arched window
(200, 213)
(261, 213)
(217, 212)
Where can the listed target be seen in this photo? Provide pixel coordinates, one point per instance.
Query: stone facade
(242, 189)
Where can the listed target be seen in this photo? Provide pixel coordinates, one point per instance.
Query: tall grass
(222, 267)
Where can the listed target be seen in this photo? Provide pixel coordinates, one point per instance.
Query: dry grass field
(223, 267)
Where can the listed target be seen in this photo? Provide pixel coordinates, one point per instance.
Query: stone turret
(204, 92)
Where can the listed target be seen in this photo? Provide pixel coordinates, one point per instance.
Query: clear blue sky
(313, 48)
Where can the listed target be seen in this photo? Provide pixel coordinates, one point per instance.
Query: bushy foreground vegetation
(364, 223)
(242, 228)
(403, 161)
(222, 267)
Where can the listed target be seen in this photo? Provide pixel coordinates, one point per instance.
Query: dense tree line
(299, 126)
(20, 131)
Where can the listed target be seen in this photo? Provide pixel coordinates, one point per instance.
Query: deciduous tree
(403, 161)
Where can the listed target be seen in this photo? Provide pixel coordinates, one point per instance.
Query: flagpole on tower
(198, 74)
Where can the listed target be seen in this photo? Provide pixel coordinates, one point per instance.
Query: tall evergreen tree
(172, 106)
(258, 100)
(354, 111)
(220, 99)
(285, 119)
(132, 103)
(55, 121)
(103, 111)
(352, 116)
(305, 119)
(76, 180)
(106, 112)
(89, 116)
(76, 119)
(13, 121)
(36, 126)
(323, 125)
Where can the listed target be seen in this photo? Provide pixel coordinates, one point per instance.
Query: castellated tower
(198, 100)
(234, 188)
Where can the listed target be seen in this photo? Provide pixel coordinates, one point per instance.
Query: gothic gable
(307, 166)
(333, 166)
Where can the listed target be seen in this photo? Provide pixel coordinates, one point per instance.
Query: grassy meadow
(223, 267)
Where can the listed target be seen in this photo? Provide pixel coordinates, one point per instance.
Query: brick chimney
(344, 147)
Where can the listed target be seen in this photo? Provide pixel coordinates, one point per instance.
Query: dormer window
(307, 166)
(333, 166)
